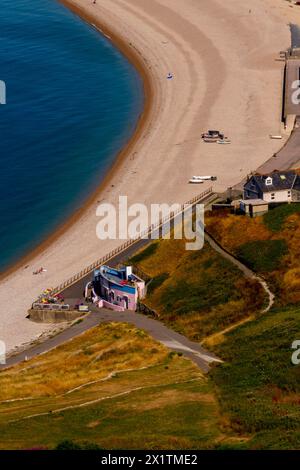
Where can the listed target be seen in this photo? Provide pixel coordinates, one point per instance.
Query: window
(269, 181)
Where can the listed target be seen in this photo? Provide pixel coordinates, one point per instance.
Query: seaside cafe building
(118, 289)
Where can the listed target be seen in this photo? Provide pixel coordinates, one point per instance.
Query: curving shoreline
(206, 47)
(136, 60)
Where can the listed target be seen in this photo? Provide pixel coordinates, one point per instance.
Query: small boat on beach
(210, 140)
(201, 179)
(196, 180)
(276, 137)
(212, 134)
(214, 137)
(224, 141)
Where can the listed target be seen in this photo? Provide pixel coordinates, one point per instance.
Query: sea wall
(53, 316)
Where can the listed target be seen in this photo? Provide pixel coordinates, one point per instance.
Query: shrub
(262, 255)
(68, 445)
(150, 250)
(156, 282)
(257, 383)
(71, 445)
(274, 219)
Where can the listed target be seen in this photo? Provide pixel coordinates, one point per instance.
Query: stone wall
(53, 316)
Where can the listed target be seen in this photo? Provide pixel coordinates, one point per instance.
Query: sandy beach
(223, 57)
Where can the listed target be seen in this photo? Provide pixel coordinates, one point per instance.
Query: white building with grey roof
(276, 187)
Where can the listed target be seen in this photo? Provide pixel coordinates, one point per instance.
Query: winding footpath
(161, 333)
(211, 48)
(242, 267)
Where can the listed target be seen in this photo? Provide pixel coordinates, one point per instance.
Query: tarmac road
(288, 157)
(155, 328)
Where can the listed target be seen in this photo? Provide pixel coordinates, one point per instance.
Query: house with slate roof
(277, 187)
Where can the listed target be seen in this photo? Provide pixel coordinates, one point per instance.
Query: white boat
(196, 180)
(277, 137)
(201, 179)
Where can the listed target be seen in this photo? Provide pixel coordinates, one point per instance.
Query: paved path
(164, 335)
(75, 292)
(89, 322)
(160, 332)
(156, 329)
(288, 157)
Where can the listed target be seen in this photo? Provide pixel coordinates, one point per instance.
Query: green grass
(197, 293)
(258, 386)
(144, 254)
(262, 255)
(163, 403)
(171, 416)
(156, 282)
(112, 388)
(71, 445)
(275, 218)
(195, 288)
(116, 388)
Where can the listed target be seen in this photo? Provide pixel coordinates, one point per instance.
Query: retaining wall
(53, 316)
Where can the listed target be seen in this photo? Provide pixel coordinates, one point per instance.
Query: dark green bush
(150, 250)
(71, 445)
(275, 218)
(263, 255)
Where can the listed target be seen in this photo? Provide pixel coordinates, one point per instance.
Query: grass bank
(113, 387)
(197, 293)
(258, 386)
(270, 245)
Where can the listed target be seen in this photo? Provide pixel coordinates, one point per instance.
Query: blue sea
(73, 101)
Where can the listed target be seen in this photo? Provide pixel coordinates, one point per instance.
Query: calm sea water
(72, 102)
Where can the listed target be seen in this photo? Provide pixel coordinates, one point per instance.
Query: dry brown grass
(234, 231)
(113, 386)
(90, 357)
(197, 293)
(165, 259)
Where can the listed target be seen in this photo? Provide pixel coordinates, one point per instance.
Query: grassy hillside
(269, 244)
(197, 292)
(113, 387)
(258, 387)
(143, 396)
